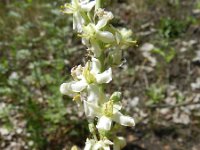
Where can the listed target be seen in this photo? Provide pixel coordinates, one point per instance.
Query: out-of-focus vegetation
(159, 78)
(35, 50)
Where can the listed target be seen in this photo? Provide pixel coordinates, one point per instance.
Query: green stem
(98, 4)
(85, 17)
(102, 60)
(92, 129)
(103, 67)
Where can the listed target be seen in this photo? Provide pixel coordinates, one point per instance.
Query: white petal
(104, 77)
(102, 144)
(76, 72)
(89, 144)
(123, 120)
(108, 142)
(101, 23)
(78, 86)
(104, 20)
(104, 123)
(97, 146)
(96, 66)
(105, 36)
(94, 93)
(66, 89)
(106, 148)
(77, 22)
(87, 7)
(75, 2)
(117, 107)
(91, 110)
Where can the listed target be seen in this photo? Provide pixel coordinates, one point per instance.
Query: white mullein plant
(104, 46)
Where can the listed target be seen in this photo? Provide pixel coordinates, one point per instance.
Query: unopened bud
(116, 97)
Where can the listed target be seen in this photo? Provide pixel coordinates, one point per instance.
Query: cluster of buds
(104, 46)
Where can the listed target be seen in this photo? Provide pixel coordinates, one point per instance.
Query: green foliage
(155, 94)
(35, 123)
(172, 28)
(4, 116)
(32, 52)
(167, 55)
(198, 5)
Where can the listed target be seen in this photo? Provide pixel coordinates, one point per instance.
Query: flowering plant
(104, 46)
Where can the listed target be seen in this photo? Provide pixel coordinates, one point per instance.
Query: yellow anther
(77, 97)
(108, 109)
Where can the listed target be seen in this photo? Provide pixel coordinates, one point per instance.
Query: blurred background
(159, 78)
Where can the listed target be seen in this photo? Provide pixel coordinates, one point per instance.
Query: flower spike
(104, 46)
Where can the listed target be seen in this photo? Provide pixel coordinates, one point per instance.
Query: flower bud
(116, 97)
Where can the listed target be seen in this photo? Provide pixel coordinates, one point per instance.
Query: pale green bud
(116, 97)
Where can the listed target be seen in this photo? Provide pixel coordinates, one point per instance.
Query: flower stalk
(98, 4)
(104, 45)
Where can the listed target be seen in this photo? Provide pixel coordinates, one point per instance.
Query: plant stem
(98, 4)
(92, 129)
(103, 67)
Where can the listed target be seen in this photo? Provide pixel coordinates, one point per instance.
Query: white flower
(104, 17)
(97, 145)
(87, 78)
(103, 144)
(76, 8)
(89, 144)
(107, 113)
(76, 72)
(93, 33)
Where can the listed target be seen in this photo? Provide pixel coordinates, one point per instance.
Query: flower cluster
(104, 45)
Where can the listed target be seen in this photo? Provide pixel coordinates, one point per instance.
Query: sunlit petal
(88, 6)
(75, 2)
(89, 144)
(101, 23)
(104, 77)
(77, 22)
(78, 86)
(96, 66)
(91, 110)
(104, 123)
(94, 93)
(66, 89)
(105, 36)
(123, 120)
